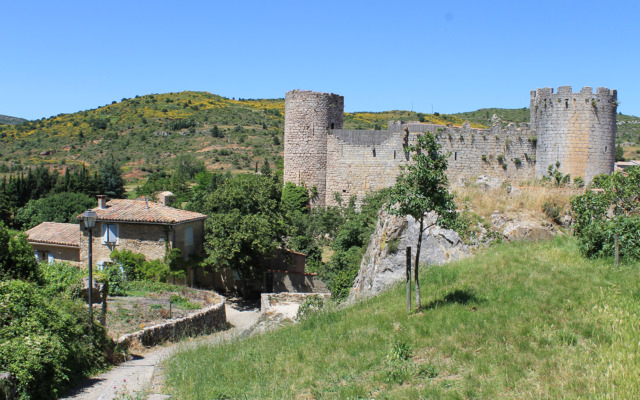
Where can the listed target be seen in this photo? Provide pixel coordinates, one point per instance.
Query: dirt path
(124, 381)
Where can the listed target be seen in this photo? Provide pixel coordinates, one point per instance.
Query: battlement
(566, 90)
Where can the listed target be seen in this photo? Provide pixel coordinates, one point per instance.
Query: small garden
(143, 304)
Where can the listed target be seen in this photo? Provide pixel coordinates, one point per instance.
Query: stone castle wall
(575, 129)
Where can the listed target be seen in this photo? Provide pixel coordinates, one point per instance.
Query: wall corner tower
(576, 130)
(308, 118)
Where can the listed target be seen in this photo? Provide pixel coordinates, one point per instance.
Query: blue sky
(67, 56)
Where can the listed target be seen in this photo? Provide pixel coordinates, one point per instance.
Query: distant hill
(7, 120)
(483, 115)
(146, 132)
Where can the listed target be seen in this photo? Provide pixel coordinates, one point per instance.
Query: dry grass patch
(516, 199)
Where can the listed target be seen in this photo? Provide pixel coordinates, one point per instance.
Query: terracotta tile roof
(137, 211)
(55, 233)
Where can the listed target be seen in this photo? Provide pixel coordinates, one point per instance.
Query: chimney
(102, 202)
(146, 202)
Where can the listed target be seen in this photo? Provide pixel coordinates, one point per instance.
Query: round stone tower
(578, 130)
(308, 117)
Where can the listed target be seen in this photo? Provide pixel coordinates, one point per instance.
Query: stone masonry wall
(308, 118)
(575, 129)
(204, 321)
(359, 162)
(147, 239)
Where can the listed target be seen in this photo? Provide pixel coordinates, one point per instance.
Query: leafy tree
(112, 182)
(619, 153)
(294, 198)
(17, 260)
(421, 188)
(615, 209)
(244, 225)
(57, 207)
(265, 169)
(186, 165)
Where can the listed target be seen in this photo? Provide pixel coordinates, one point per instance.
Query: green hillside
(483, 115)
(519, 321)
(7, 120)
(144, 133)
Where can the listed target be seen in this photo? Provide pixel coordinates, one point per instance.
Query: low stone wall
(207, 320)
(269, 301)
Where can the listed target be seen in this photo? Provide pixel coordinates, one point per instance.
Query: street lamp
(89, 218)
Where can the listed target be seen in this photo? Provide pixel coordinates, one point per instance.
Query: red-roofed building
(144, 227)
(54, 241)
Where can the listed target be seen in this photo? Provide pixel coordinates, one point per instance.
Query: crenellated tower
(308, 118)
(577, 130)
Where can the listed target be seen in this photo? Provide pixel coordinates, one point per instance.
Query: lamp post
(89, 218)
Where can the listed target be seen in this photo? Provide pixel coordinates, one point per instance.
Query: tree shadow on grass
(458, 296)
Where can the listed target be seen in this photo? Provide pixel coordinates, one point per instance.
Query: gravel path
(124, 381)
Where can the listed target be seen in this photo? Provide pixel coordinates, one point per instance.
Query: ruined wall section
(359, 162)
(308, 118)
(575, 129)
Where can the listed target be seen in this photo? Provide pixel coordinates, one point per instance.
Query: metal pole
(408, 279)
(617, 259)
(90, 277)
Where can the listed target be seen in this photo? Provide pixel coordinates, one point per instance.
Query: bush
(17, 260)
(600, 215)
(47, 345)
(61, 278)
(131, 262)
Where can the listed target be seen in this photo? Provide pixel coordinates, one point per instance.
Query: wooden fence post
(617, 247)
(408, 279)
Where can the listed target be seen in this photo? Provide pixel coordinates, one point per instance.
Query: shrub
(599, 216)
(131, 263)
(47, 345)
(17, 260)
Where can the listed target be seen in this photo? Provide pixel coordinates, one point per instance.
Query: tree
(619, 153)
(17, 260)
(421, 188)
(614, 210)
(57, 207)
(244, 225)
(112, 183)
(294, 198)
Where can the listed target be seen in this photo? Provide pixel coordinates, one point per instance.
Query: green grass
(519, 321)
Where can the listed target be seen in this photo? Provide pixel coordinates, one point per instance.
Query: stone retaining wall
(269, 301)
(204, 321)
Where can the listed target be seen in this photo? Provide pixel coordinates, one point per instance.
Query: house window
(188, 240)
(50, 258)
(109, 233)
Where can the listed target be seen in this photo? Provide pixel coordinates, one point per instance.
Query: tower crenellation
(574, 130)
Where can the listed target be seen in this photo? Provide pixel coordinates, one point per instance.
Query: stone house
(144, 227)
(54, 241)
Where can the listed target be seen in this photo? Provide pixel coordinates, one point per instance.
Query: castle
(576, 130)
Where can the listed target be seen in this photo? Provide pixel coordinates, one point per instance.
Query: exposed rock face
(521, 226)
(384, 263)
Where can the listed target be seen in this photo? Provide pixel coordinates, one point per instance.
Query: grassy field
(523, 320)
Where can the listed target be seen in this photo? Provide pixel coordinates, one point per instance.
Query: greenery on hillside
(524, 320)
(483, 116)
(7, 120)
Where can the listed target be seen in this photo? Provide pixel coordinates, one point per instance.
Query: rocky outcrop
(384, 261)
(521, 226)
